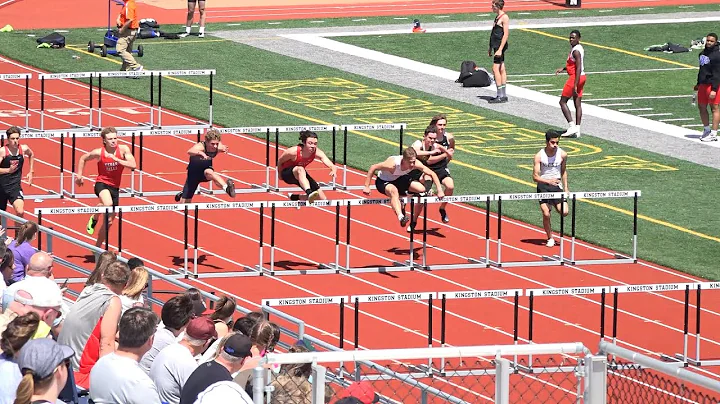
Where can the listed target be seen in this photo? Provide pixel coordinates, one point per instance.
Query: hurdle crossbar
(26, 77)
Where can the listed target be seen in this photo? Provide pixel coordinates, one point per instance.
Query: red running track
(647, 322)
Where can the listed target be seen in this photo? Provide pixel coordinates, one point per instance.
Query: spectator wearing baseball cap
(362, 391)
(35, 294)
(230, 359)
(176, 362)
(117, 376)
(43, 364)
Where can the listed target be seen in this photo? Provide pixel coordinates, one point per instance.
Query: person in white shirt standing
(575, 68)
(176, 362)
(550, 174)
(117, 377)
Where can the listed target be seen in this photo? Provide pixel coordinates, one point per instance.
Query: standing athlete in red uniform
(292, 165)
(575, 68)
(112, 160)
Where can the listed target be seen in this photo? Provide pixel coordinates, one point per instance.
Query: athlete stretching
(112, 160)
(200, 167)
(292, 165)
(395, 180)
(12, 159)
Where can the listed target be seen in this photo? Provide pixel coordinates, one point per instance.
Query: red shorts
(570, 84)
(704, 91)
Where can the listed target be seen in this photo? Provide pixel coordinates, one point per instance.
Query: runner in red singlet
(292, 165)
(112, 160)
(574, 85)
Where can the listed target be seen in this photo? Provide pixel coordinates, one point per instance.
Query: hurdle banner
(21, 76)
(125, 74)
(392, 297)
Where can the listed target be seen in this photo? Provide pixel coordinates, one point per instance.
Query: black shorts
(10, 195)
(442, 173)
(402, 184)
(498, 60)
(193, 181)
(289, 178)
(114, 192)
(543, 188)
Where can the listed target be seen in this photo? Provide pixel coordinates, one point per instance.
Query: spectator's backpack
(149, 28)
(466, 70)
(55, 40)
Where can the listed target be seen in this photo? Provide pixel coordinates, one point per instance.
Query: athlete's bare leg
(105, 201)
(228, 186)
(416, 188)
(392, 192)
(449, 187)
(19, 206)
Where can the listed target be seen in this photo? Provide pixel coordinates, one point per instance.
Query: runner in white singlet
(550, 174)
(395, 180)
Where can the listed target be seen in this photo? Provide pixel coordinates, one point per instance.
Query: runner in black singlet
(498, 46)
(12, 160)
(200, 167)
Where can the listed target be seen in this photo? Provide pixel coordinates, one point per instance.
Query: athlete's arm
(388, 164)
(506, 31)
(128, 160)
(108, 326)
(536, 172)
(198, 149)
(422, 167)
(578, 63)
(451, 142)
(289, 154)
(5, 170)
(563, 171)
(325, 160)
(31, 158)
(91, 155)
(417, 145)
(223, 148)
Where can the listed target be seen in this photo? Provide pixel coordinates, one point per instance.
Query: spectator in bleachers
(135, 262)
(36, 294)
(23, 249)
(264, 337)
(132, 294)
(363, 391)
(102, 261)
(176, 362)
(42, 363)
(6, 266)
(223, 314)
(40, 264)
(15, 336)
(197, 299)
(230, 359)
(97, 303)
(175, 314)
(244, 325)
(117, 377)
(292, 385)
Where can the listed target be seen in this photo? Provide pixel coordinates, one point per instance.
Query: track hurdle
(618, 258)
(567, 291)
(312, 301)
(20, 76)
(392, 297)
(698, 360)
(545, 260)
(473, 294)
(173, 73)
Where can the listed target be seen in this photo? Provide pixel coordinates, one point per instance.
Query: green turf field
(255, 87)
(535, 54)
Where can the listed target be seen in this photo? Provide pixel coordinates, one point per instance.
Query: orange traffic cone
(417, 29)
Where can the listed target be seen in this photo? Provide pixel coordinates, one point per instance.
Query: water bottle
(75, 57)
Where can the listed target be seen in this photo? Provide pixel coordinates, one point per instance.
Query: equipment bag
(55, 40)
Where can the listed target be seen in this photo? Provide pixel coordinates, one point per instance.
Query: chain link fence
(551, 379)
(632, 383)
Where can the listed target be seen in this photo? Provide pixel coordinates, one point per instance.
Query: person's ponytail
(25, 388)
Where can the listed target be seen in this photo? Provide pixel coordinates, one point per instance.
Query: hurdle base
(611, 261)
(336, 268)
(442, 267)
(398, 267)
(124, 193)
(247, 273)
(352, 187)
(546, 262)
(677, 360)
(703, 362)
(49, 195)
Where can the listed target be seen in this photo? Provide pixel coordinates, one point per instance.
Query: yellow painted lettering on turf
(527, 151)
(324, 83)
(355, 96)
(358, 109)
(622, 163)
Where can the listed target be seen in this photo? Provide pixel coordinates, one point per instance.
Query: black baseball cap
(238, 346)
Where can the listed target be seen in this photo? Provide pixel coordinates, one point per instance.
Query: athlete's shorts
(570, 84)
(195, 1)
(401, 183)
(114, 192)
(193, 181)
(442, 173)
(544, 188)
(704, 91)
(289, 178)
(498, 60)
(10, 195)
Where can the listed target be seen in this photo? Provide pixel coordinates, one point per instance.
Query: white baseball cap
(44, 292)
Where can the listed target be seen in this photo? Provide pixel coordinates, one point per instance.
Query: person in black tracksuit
(708, 83)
